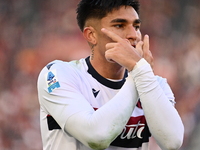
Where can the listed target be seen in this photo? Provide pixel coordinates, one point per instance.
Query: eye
(119, 25)
(137, 27)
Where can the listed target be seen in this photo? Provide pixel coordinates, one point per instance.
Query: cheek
(139, 35)
(121, 33)
(102, 41)
(105, 39)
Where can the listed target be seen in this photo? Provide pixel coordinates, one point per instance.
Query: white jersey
(80, 78)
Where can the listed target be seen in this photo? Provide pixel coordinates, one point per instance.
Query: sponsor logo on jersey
(52, 81)
(134, 133)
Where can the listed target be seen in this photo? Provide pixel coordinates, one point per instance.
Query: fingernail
(147, 36)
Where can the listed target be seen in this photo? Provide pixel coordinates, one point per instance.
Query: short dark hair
(98, 9)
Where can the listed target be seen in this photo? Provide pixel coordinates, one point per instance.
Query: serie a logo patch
(52, 81)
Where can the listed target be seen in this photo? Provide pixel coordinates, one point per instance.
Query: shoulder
(60, 71)
(58, 65)
(63, 67)
(52, 68)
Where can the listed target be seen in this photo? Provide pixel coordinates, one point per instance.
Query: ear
(89, 34)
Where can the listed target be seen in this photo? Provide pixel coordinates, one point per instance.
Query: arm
(95, 129)
(107, 122)
(163, 120)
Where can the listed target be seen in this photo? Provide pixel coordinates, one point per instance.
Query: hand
(121, 51)
(143, 48)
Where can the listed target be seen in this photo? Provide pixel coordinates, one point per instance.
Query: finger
(139, 48)
(146, 51)
(111, 35)
(127, 41)
(150, 53)
(146, 44)
(110, 45)
(108, 55)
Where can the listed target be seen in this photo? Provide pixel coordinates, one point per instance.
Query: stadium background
(34, 32)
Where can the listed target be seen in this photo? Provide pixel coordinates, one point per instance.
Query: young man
(110, 100)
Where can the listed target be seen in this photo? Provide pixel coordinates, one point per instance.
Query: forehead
(124, 12)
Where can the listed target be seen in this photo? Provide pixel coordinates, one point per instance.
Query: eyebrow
(137, 21)
(119, 20)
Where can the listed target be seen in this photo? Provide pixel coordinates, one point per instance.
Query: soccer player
(110, 100)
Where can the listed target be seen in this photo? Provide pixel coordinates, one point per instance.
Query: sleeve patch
(52, 81)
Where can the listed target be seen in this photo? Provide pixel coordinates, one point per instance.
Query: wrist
(138, 64)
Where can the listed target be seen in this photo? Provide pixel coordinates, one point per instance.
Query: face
(124, 22)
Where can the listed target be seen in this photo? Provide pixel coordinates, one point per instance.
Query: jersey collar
(102, 80)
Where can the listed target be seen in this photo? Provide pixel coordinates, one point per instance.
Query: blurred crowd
(35, 32)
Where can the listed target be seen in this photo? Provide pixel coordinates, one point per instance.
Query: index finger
(111, 35)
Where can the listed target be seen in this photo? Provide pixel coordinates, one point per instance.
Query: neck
(107, 69)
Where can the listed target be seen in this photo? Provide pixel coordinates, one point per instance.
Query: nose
(133, 34)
